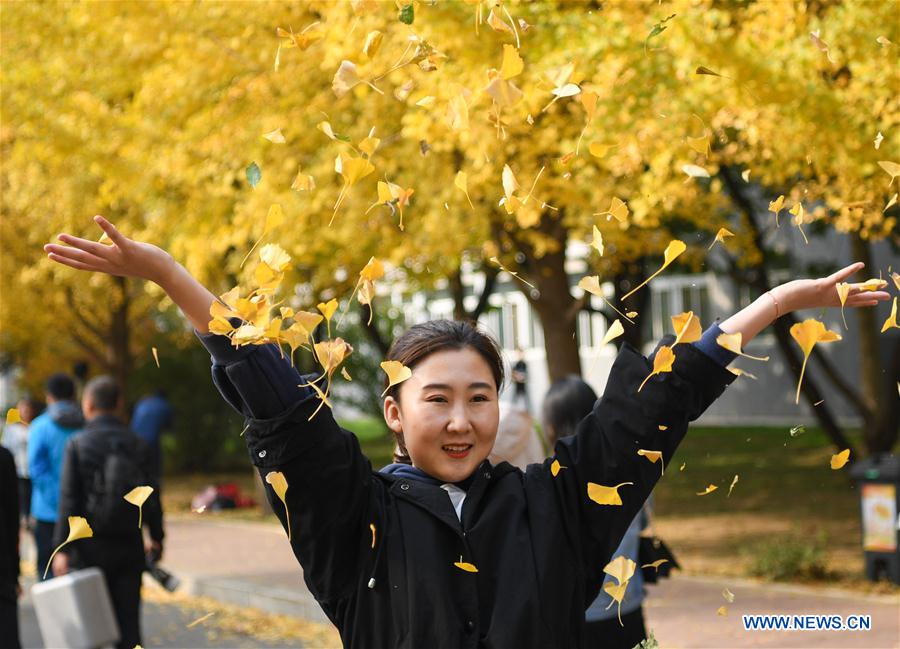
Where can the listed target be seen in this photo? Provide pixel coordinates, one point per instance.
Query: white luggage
(74, 611)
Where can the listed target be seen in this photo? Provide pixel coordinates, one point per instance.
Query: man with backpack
(102, 464)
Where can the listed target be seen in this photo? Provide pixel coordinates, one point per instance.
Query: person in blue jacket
(46, 447)
(444, 549)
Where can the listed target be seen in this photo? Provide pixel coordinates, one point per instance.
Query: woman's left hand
(822, 292)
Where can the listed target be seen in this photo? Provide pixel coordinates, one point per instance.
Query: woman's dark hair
(567, 402)
(421, 340)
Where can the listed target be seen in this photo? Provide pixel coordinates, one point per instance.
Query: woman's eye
(479, 397)
(437, 400)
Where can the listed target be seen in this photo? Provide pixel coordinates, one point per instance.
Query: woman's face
(449, 413)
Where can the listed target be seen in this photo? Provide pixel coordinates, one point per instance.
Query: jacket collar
(104, 422)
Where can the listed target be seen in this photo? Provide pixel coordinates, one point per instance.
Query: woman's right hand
(124, 257)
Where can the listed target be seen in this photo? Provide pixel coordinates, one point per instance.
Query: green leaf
(406, 14)
(254, 174)
(657, 29)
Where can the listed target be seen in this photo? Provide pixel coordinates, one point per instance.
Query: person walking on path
(46, 445)
(15, 438)
(444, 549)
(9, 551)
(520, 380)
(103, 463)
(152, 416)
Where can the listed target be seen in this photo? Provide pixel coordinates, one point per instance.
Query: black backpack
(106, 508)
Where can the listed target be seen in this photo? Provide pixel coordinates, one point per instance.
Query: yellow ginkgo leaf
(345, 78)
(351, 170)
(653, 456)
(597, 241)
(591, 284)
(776, 206)
(372, 43)
(373, 270)
(655, 564)
(274, 256)
(892, 168)
(739, 372)
(303, 182)
(462, 182)
(458, 113)
(672, 251)
(838, 460)
(13, 416)
(155, 355)
(605, 495)
(663, 427)
(891, 202)
(693, 171)
(303, 39)
(617, 209)
(699, 144)
(872, 285)
(275, 136)
(462, 565)
(372, 528)
(728, 595)
(687, 328)
(843, 290)
(137, 497)
(807, 334)
(720, 237)
(397, 372)
(106, 241)
(891, 322)
(555, 468)
(722, 611)
(280, 487)
(512, 63)
(620, 568)
(615, 330)
(896, 278)
(798, 212)
(732, 342)
(346, 374)
(426, 102)
(662, 362)
(331, 353)
(745, 174)
(599, 150)
(78, 529)
(368, 145)
(822, 45)
(328, 308)
(711, 488)
(733, 483)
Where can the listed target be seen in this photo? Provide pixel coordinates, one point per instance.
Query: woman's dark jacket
(538, 542)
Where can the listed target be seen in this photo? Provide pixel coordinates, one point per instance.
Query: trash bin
(878, 478)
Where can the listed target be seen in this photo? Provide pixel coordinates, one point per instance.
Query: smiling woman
(447, 549)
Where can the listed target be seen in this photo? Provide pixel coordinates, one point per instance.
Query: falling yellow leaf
(494, 260)
(426, 102)
(303, 182)
(722, 611)
(683, 464)
(620, 568)
(617, 592)
(687, 328)
(739, 372)
(728, 595)
(458, 113)
(892, 168)
(597, 241)
(605, 495)
(890, 203)
(591, 284)
(345, 374)
(776, 206)
(555, 468)
(732, 342)
(797, 211)
(884, 42)
(663, 427)
(874, 284)
(822, 45)
(599, 150)
(351, 170)
(720, 236)
(694, 171)
(672, 251)
(745, 174)
(78, 529)
(699, 144)
(631, 314)
(328, 309)
(372, 528)
(615, 330)
(372, 44)
(105, 240)
(347, 77)
(704, 70)
(302, 40)
(373, 270)
(807, 334)
(838, 460)
(733, 482)
(462, 182)
(275, 136)
(711, 488)
(200, 620)
(655, 564)
(896, 278)
(13, 416)
(462, 565)
(654, 456)
(331, 353)
(617, 209)
(397, 372)
(891, 322)
(843, 290)
(280, 487)
(137, 497)
(662, 362)
(512, 63)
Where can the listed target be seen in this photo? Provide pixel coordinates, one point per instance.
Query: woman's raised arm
(797, 295)
(129, 258)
